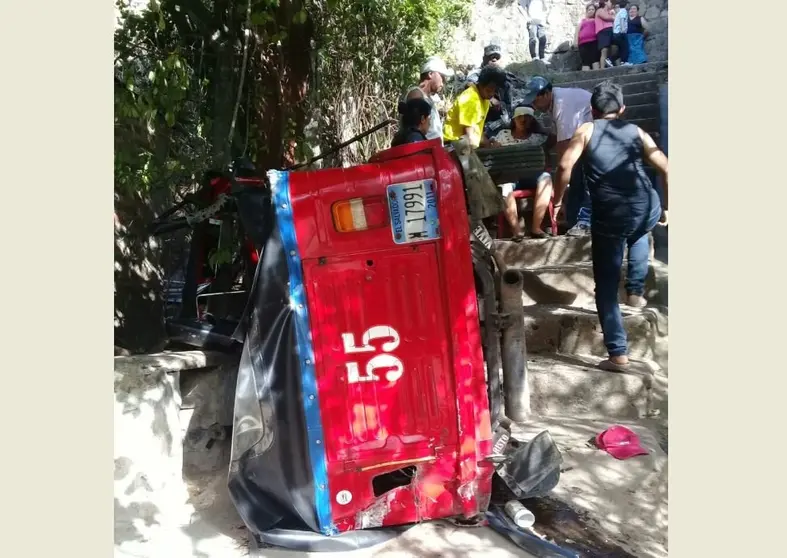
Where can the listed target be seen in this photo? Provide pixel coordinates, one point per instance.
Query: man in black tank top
(625, 207)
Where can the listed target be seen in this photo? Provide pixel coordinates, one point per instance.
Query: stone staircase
(575, 400)
(564, 339)
(640, 90)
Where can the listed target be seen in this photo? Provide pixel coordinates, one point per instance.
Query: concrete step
(570, 385)
(630, 88)
(573, 284)
(643, 98)
(620, 72)
(572, 330)
(647, 82)
(533, 253)
(650, 125)
(638, 87)
(641, 112)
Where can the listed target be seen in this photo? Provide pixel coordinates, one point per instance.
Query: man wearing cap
(433, 74)
(569, 108)
(492, 54)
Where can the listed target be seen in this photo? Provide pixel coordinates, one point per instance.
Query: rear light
(360, 214)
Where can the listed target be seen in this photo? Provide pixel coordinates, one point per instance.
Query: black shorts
(604, 38)
(588, 53)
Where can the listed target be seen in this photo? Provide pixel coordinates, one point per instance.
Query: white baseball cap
(524, 111)
(436, 64)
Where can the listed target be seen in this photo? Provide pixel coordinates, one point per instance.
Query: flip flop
(518, 237)
(610, 366)
(542, 234)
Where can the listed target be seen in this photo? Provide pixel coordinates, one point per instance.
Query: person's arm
(569, 157)
(645, 30)
(656, 158)
(605, 15)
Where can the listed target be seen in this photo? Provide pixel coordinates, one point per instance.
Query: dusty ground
(171, 498)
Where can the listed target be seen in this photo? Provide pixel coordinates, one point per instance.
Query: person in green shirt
(467, 115)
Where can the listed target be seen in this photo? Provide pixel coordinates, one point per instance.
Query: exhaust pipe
(516, 390)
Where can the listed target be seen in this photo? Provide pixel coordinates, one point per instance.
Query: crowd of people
(611, 34)
(601, 169)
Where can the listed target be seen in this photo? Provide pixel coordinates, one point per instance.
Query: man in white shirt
(537, 14)
(433, 74)
(569, 108)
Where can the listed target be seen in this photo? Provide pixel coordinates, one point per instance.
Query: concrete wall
(170, 489)
(501, 20)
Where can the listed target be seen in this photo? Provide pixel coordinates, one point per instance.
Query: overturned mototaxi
(362, 399)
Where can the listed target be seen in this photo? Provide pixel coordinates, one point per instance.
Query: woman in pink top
(586, 39)
(604, 21)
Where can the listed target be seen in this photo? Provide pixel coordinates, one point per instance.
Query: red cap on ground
(620, 442)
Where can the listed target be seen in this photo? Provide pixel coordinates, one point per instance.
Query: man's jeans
(607, 262)
(577, 199)
(538, 36)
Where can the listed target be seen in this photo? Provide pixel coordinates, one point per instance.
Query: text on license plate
(413, 210)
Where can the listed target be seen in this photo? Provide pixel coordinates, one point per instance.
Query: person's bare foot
(621, 360)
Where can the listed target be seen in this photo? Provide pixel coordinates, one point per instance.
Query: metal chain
(208, 212)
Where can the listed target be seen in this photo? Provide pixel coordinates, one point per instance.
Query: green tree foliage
(368, 52)
(199, 82)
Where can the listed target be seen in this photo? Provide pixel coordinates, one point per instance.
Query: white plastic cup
(522, 516)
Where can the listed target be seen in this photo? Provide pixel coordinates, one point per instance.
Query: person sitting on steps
(626, 208)
(569, 107)
(526, 130)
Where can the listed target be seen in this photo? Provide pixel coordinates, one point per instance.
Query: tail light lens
(360, 214)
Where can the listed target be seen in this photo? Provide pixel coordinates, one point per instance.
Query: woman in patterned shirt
(526, 130)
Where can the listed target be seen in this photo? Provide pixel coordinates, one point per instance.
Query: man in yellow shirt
(466, 116)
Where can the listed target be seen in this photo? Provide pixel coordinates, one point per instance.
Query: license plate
(413, 210)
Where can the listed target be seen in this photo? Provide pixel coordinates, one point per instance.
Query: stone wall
(501, 20)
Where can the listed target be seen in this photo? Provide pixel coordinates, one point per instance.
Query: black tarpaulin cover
(272, 474)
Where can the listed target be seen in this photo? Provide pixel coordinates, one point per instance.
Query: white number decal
(385, 360)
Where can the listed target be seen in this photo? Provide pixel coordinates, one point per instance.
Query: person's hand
(664, 219)
(493, 143)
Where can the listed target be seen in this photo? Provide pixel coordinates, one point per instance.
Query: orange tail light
(360, 214)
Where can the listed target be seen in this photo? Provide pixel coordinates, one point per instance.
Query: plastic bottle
(522, 516)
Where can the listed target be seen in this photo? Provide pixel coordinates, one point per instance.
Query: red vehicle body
(396, 343)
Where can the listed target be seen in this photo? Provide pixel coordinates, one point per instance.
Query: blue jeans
(607, 262)
(577, 199)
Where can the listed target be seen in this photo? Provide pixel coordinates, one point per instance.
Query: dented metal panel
(396, 345)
